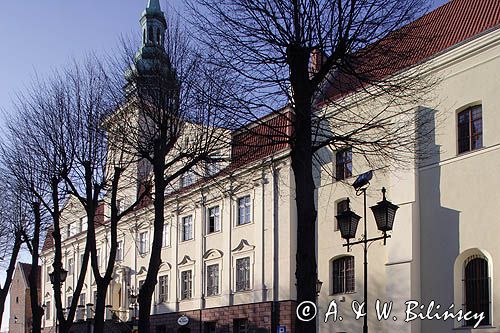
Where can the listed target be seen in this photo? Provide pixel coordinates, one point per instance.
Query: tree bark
(301, 161)
(145, 297)
(36, 309)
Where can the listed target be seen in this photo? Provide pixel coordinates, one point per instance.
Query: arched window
(343, 275)
(477, 288)
(158, 36)
(470, 129)
(144, 36)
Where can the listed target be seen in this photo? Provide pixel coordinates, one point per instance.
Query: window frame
(143, 242)
(71, 266)
(343, 159)
(485, 279)
(216, 285)
(183, 228)
(246, 208)
(163, 295)
(165, 242)
(248, 280)
(186, 294)
(470, 129)
(345, 282)
(217, 219)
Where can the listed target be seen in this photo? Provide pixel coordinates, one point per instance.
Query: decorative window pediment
(186, 261)
(142, 270)
(244, 246)
(213, 254)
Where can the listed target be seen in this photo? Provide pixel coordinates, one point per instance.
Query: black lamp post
(384, 213)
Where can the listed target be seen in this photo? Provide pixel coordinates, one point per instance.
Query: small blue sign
(281, 329)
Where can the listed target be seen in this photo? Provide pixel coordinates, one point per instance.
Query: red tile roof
(446, 27)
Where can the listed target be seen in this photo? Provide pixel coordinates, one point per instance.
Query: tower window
(158, 36)
(151, 38)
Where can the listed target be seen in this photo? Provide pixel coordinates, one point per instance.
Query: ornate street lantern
(318, 286)
(62, 276)
(348, 223)
(384, 213)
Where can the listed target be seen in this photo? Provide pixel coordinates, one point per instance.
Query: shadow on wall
(439, 231)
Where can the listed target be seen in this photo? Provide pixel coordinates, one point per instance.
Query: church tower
(152, 66)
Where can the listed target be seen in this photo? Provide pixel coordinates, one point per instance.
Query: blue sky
(40, 36)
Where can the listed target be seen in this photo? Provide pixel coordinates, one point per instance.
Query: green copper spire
(154, 6)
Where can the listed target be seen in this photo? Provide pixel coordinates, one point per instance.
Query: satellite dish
(362, 180)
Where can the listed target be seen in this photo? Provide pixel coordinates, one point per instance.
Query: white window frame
(191, 224)
(143, 242)
(71, 266)
(246, 206)
(181, 290)
(119, 250)
(166, 235)
(217, 219)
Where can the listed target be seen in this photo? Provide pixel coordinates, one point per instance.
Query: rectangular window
(243, 274)
(343, 164)
(47, 310)
(244, 207)
(166, 235)
(141, 282)
(83, 223)
(143, 242)
(186, 284)
(241, 325)
(343, 275)
(99, 258)
(187, 228)
(70, 299)
(162, 288)
(95, 297)
(187, 179)
(213, 280)
(119, 251)
(71, 266)
(470, 129)
(81, 300)
(213, 222)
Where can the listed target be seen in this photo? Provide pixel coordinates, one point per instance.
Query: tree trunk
(146, 293)
(302, 166)
(100, 308)
(10, 272)
(36, 309)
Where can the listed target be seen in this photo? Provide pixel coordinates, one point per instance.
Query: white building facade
(230, 243)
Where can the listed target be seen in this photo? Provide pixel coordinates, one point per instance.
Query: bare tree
(10, 241)
(172, 121)
(322, 60)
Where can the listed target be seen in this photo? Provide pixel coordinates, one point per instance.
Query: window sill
(213, 233)
(241, 292)
(472, 329)
(186, 241)
(237, 226)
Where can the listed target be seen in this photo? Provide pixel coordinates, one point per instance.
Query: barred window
(477, 289)
(213, 223)
(186, 284)
(343, 164)
(243, 274)
(244, 206)
(343, 275)
(213, 280)
(162, 288)
(187, 228)
(470, 129)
